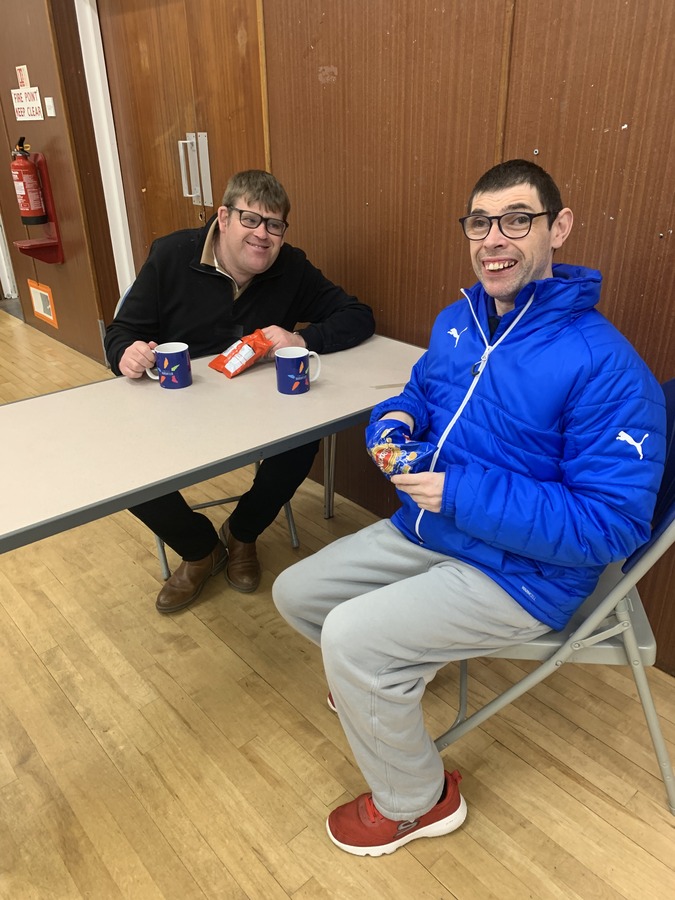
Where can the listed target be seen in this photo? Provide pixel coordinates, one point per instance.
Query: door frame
(7, 279)
(106, 140)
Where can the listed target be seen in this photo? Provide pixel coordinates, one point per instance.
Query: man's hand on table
(137, 358)
(281, 338)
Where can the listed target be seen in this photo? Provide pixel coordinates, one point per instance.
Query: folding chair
(610, 628)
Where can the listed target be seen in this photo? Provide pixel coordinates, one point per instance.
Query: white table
(74, 456)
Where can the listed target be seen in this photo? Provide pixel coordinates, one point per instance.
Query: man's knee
(284, 593)
(292, 591)
(344, 640)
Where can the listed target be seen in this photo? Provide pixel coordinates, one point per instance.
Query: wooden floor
(145, 756)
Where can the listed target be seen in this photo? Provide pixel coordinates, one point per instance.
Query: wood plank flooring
(194, 756)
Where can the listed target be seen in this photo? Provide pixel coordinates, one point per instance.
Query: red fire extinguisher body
(28, 189)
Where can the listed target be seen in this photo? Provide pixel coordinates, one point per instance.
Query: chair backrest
(120, 302)
(641, 561)
(666, 497)
(618, 581)
(664, 511)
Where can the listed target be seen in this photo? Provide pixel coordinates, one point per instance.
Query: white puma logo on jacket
(457, 335)
(623, 436)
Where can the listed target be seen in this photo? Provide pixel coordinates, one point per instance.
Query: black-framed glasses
(512, 225)
(252, 220)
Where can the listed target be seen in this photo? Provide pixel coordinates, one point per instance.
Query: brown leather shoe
(186, 583)
(243, 569)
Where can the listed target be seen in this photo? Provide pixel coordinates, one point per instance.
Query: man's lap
(377, 588)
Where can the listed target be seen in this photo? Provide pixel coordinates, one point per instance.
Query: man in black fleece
(208, 287)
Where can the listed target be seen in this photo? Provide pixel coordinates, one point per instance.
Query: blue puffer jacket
(552, 438)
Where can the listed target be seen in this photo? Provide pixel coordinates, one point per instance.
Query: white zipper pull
(478, 367)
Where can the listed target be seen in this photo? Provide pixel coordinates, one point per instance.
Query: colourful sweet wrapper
(393, 450)
(242, 354)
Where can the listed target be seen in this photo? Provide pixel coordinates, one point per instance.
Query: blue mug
(172, 366)
(293, 369)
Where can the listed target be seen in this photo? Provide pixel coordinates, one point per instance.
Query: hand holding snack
(425, 488)
(391, 447)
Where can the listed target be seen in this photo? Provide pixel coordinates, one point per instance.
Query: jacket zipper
(476, 370)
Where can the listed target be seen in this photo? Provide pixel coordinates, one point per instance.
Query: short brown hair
(256, 186)
(520, 171)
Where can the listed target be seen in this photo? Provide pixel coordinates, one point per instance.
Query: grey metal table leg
(329, 445)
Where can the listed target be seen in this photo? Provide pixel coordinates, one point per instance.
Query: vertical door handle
(189, 147)
(183, 168)
(205, 167)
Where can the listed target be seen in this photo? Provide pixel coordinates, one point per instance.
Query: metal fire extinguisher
(27, 186)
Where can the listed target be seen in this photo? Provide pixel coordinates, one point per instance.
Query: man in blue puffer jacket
(545, 439)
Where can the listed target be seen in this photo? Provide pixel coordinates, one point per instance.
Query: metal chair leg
(645, 694)
(290, 521)
(163, 561)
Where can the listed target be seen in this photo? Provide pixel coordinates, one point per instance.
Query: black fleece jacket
(176, 297)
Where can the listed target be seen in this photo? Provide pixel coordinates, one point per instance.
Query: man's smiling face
(245, 252)
(505, 265)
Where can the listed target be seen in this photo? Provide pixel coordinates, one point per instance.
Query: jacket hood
(571, 291)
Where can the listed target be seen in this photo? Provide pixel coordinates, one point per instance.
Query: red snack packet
(242, 354)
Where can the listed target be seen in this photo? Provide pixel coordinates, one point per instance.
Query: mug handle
(153, 373)
(315, 375)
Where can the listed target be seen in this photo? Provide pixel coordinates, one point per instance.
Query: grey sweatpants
(388, 614)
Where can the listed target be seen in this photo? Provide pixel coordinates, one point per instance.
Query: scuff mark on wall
(242, 40)
(328, 74)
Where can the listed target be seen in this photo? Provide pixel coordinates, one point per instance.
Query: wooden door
(228, 91)
(43, 37)
(179, 67)
(150, 78)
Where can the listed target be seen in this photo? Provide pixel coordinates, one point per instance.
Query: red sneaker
(359, 828)
(331, 703)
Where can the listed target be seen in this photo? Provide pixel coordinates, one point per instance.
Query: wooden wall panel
(380, 120)
(591, 87)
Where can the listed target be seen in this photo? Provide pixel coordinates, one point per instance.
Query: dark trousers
(191, 534)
